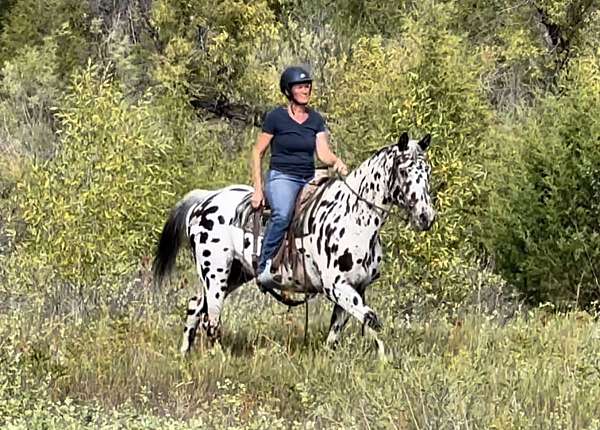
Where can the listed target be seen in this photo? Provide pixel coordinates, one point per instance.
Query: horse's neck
(371, 180)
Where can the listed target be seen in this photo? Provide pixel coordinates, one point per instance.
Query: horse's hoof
(213, 335)
(372, 321)
(383, 357)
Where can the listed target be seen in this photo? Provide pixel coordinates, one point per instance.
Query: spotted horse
(341, 248)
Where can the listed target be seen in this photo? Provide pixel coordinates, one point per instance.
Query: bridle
(371, 205)
(384, 211)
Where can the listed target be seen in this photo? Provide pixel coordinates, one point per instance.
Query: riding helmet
(292, 76)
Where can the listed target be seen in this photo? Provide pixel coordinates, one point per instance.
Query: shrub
(542, 224)
(99, 202)
(218, 50)
(29, 22)
(29, 91)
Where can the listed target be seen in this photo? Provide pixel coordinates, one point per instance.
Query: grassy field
(113, 362)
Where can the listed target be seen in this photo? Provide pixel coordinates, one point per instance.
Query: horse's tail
(173, 233)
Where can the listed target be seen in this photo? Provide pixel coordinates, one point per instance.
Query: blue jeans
(281, 191)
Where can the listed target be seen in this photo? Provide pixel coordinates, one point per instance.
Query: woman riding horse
(293, 132)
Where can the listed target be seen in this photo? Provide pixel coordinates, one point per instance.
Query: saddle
(288, 265)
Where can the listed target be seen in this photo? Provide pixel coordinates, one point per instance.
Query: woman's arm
(325, 154)
(262, 143)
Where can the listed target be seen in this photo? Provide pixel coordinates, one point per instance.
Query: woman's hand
(340, 167)
(326, 156)
(258, 199)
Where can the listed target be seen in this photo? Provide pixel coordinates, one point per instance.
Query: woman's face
(301, 92)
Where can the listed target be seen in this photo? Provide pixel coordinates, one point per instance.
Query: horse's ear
(424, 143)
(403, 142)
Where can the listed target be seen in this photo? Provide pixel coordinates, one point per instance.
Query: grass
(120, 367)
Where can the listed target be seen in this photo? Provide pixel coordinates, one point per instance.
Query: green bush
(100, 201)
(542, 224)
(29, 22)
(30, 89)
(218, 50)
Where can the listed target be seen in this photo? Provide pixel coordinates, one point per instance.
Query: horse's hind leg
(214, 265)
(196, 309)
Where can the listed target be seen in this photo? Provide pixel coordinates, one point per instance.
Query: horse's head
(409, 187)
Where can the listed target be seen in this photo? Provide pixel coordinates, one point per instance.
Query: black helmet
(291, 76)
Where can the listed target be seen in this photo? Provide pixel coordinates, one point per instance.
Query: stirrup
(265, 279)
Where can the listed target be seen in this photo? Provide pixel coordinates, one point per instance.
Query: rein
(359, 197)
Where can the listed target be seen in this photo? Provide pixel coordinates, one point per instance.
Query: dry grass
(539, 370)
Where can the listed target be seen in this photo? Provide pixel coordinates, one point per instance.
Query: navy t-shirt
(293, 144)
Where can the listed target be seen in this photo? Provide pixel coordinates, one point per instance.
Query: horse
(342, 249)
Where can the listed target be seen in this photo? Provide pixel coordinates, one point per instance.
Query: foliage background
(110, 111)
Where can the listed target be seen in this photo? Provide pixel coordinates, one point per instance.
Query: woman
(294, 133)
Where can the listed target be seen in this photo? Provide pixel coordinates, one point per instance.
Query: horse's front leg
(339, 319)
(344, 295)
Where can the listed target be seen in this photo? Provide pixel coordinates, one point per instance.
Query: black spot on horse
(221, 219)
(220, 269)
(206, 253)
(215, 240)
(203, 237)
(217, 295)
(342, 231)
(373, 241)
(204, 221)
(246, 242)
(207, 263)
(345, 261)
(238, 275)
(355, 301)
